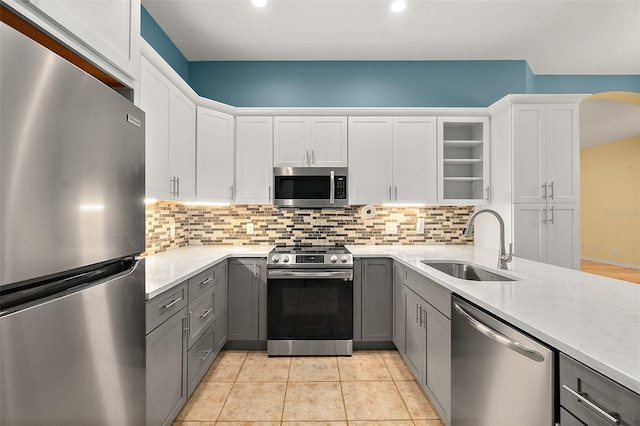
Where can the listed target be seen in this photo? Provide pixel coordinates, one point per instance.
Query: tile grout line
(235, 380)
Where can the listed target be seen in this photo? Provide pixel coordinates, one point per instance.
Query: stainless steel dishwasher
(499, 376)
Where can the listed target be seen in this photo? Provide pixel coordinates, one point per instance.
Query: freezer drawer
(500, 376)
(77, 359)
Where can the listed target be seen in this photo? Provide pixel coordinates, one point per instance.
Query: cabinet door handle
(422, 320)
(396, 193)
(545, 215)
(173, 192)
(231, 192)
(269, 192)
(545, 190)
(188, 326)
(417, 317)
(551, 185)
(206, 314)
(308, 161)
(390, 197)
(613, 418)
(488, 193)
(313, 157)
(173, 302)
(552, 215)
(206, 355)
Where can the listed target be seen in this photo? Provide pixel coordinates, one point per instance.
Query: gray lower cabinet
(398, 306)
(415, 334)
(587, 397)
(437, 382)
(166, 351)
(220, 307)
(377, 300)
(247, 296)
(427, 337)
(186, 327)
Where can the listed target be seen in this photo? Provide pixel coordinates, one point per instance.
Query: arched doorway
(610, 184)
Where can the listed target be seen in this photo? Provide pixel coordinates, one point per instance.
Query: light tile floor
(249, 388)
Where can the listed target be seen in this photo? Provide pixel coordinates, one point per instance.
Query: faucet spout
(503, 257)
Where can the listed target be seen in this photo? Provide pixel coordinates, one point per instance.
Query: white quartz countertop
(168, 269)
(593, 319)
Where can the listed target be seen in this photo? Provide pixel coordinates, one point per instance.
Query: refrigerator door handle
(499, 337)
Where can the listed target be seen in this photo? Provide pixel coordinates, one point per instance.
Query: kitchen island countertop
(593, 319)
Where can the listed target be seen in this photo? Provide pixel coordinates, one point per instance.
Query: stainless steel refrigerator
(72, 299)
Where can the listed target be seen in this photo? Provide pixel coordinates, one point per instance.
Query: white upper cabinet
(182, 144)
(392, 160)
(414, 160)
(548, 233)
(110, 27)
(170, 137)
(254, 170)
(370, 160)
(546, 153)
(463, 160)
(310, 142)
(328, 141)
(215, 159)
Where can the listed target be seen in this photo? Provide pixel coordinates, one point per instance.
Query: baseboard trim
(608, 262)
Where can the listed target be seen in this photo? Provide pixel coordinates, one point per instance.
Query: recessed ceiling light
(398, 5)
(259, 3)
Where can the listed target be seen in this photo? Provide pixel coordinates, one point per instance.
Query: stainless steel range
(309, 301)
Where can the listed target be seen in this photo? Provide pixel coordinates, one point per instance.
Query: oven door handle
(346, 274)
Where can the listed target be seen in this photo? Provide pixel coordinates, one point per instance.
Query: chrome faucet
(503, 257)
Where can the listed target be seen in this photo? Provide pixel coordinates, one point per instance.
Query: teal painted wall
(158, 39)
(357, 83)
(369, 83)
(585, 83)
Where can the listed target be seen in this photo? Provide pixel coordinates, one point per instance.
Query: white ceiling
(603, 121)
(554, 36)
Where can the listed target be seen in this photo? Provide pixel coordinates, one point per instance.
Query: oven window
(302, 187)
(309, 309)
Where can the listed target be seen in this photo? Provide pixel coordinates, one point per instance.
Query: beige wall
(199, 225)
(610, 202)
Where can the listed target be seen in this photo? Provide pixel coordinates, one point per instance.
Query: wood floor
(611, 271)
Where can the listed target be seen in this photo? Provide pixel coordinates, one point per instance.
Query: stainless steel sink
(465, 271)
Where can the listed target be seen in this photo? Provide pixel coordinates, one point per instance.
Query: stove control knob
(333, 258)
(285, 258)
(344, 258)
(275, 258)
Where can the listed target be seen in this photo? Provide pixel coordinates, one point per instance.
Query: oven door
(306, 308)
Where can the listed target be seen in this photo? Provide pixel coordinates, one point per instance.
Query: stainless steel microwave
(310, 187)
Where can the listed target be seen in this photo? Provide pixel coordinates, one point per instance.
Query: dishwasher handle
(498, 337)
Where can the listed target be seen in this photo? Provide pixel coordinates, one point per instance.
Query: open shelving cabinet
(463, 160)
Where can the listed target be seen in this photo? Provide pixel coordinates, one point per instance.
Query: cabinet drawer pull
(207, 281)
(206, 355)
(173, 302)
(206, 313)
(613, 418)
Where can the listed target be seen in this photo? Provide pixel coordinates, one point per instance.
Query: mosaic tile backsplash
(206, 225)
